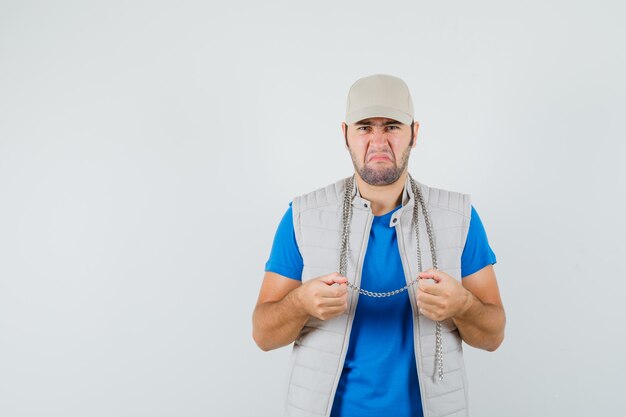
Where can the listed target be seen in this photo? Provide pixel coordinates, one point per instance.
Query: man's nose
(379, 137)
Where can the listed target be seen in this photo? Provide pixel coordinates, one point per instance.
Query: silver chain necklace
(343, 255)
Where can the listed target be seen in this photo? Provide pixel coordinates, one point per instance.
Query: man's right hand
(285, 305)
(321, 298)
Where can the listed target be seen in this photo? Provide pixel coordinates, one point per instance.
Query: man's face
(379, 148)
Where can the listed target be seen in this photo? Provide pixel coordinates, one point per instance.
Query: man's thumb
(431, 274)
(335, 277)
(340, 279)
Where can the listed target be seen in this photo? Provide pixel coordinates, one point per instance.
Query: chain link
(374, 294)
(431, 240)
(343, 255)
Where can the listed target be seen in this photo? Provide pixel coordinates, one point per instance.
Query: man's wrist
(469, 306)
(294, 298)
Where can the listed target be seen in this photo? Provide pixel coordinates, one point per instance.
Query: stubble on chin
(381, 176)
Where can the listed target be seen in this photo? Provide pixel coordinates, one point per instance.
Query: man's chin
(380, 177)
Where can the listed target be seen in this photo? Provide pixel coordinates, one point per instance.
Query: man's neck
(384, 198)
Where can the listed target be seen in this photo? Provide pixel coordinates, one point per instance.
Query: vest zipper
(353, 303)
(417, 348)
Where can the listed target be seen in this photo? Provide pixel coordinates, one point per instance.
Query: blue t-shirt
(380, 373)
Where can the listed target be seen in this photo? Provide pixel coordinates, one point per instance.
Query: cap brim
(379, 111)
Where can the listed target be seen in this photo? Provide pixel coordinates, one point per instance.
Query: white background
(148, 150)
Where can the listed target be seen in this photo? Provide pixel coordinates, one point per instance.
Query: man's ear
(344, 130)
(416, 126)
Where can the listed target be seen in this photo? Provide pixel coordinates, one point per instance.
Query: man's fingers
(340, 279)
(333, 302)
(337, 310)
(333, 278)
(337, 291)
(430, 314)
(428, 287)
(332, 312)
(331, 291)
(433, 274)
(425, 299)
(319, 288)
(335, 285)
(327, 279)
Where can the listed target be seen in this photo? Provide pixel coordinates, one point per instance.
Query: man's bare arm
(285, 305)
(474, 304)
(482, 324)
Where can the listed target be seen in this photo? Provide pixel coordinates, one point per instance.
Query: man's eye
(393, 127)
(362, 128)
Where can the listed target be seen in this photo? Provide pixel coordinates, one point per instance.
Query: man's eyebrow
(368, 123)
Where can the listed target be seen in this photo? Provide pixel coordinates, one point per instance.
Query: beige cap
(379, 95)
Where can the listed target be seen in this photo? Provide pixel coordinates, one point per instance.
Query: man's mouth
(379, 157)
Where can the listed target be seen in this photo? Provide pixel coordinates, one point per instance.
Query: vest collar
(359, 202)
(408, 198)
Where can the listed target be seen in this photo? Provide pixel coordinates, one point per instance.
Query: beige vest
(320, 349)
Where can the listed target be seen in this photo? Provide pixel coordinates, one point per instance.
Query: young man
(378, 278)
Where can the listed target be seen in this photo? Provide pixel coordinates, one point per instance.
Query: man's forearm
(276, 324)
(481, 325)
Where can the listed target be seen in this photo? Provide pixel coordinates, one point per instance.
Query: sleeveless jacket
(319, 351)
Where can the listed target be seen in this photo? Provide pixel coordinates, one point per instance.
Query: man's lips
(379, 157)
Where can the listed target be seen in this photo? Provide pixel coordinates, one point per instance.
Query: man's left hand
(442, 299)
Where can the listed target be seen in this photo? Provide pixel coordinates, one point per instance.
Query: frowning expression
(380, 148)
